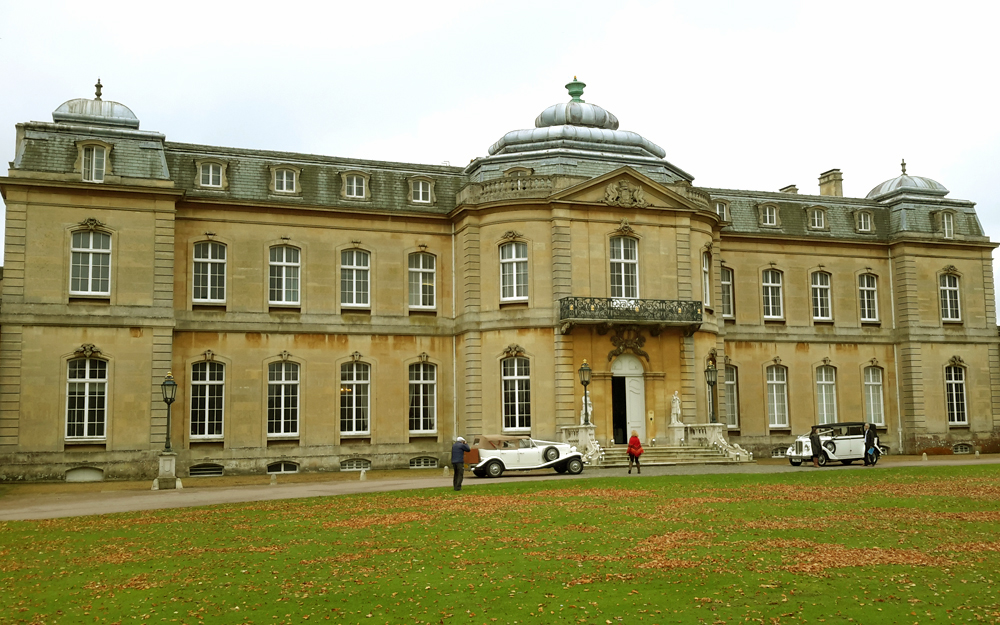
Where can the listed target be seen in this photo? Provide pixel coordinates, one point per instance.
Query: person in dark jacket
(871, 439)
(458, 462)
(816, 445)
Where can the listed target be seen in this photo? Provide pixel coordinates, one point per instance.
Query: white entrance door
(630, 368)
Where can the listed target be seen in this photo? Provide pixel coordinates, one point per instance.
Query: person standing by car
(458, 462)
(870, 441)
(634, 451)
(817, 447)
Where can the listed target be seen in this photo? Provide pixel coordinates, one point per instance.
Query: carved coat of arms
(621, 193)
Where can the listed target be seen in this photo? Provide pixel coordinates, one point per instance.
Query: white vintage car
(491, 455)
(842, 442)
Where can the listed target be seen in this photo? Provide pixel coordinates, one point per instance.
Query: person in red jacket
(634, 451)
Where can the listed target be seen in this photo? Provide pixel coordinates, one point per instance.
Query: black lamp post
(585, 380)
(169, 388)
(711, 376)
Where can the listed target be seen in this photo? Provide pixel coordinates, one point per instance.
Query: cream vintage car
(491, 455)
(842, 442)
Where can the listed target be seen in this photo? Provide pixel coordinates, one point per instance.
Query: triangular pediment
(627, 188)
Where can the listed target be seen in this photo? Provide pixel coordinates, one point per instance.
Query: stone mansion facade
(324, 314)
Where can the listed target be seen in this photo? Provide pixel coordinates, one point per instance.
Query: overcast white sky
(746, 95)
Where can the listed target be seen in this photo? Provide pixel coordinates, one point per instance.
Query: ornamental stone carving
(87, 350)
(627, 338)
(621, 193)
(91, 224)
(513, 350)
(511, 235)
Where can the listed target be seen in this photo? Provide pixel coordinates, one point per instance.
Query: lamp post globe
(169, 389)
(585, 381)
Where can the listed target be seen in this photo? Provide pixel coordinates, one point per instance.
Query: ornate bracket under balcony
(652, 312)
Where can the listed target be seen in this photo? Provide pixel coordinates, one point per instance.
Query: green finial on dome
(575, 89)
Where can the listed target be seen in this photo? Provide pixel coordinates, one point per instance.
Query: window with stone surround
(777, 396)
(826, 394)
(209, 273)
(624, 268)
(951, 309)
(732, 394)
(93, 163)
(208, 380)
(772, 296)
(516, 378)
(210, 173)
(868, 297)
(354, 279)
(355, 398)
(423, 397)
(728, 295)
(283, 278)
(422, 279)
(282, 399)
(706, 279)
(954, 380)
(284, 181)
(817, 219)
(821, 310)
(86, 399)
(874, 412)
(421, 190)
(514, 271)
(90, 263)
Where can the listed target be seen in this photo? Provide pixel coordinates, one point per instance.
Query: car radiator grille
(798, 447)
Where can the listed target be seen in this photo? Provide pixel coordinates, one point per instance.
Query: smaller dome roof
(910, 184)
(576, 112)
(96, 111)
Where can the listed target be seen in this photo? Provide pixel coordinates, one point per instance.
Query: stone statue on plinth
(586, 409)
(675, 409)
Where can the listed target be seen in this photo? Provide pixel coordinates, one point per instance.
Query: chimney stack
(831, 183)
(789, 189)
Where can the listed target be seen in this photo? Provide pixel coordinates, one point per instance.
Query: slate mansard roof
(902, 206)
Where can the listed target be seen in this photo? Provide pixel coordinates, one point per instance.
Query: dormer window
(768, 216)
(864, 221)
(722, 210)
(284, 181)
(421, 190)
(515, 172)
(817, 219)
(947, 225)
(211, 174)
(355, 185)
(93, 163)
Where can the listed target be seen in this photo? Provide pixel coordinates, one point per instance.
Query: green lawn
(886, 545)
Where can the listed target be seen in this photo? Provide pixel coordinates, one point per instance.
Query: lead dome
(905, 183)
(97, 112)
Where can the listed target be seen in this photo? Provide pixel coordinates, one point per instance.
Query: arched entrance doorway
(628, 399)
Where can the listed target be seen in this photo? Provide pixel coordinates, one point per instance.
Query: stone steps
(652, 456)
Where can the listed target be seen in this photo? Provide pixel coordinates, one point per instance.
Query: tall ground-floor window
(777, 396)
(516, 394)
(86, 398)
(282, 399)
(423, 397)
(355, 383)
(732, 397)
(826, 394)
(208, 380)
(954, 380)
(873, 396)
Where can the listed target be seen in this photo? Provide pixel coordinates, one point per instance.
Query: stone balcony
(658, 313)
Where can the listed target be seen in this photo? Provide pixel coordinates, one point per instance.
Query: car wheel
(823, 460)
(830, 445)
(795, 463)
(574, 466)
(846, 461)
(478, 473)
(494, 469)
(560, 468)
(550, 454)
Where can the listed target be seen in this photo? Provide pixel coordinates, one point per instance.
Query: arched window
(868, 296)
(624, 268)
(208, 381)
(873, 396)
(209, 272)
(284, 181)
(777, 396)
(821, 296)
(422, 280)
(771, 281)
(954, 382)
(826, 394)
(283, 279)
(514, 271)
(516, 377)
(354, 284)
(423, 397)
(282, 399)
(90, 263)
(355, 398)
(86, 398)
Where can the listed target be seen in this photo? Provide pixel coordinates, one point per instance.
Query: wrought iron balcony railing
(679, 312)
